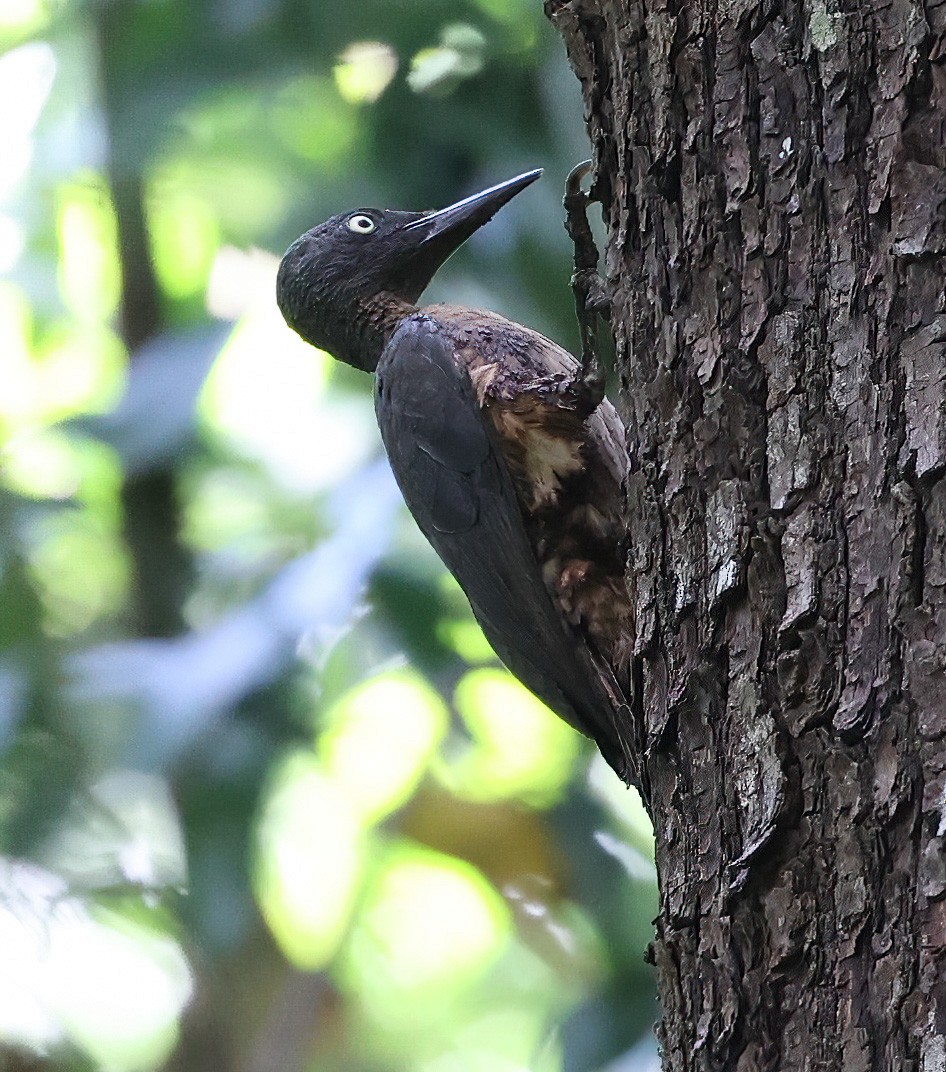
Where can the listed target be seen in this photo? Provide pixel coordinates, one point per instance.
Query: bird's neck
(374, 322)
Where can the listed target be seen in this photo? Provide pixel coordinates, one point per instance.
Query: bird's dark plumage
(510, 468)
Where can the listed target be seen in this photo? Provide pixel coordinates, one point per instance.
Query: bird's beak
(426, 242)
(456, 223)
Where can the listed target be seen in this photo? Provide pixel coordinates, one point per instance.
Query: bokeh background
(267, 801)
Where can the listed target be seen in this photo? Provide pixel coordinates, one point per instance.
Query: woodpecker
(507, 453)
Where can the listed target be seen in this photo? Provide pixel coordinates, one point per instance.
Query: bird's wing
(462, 497)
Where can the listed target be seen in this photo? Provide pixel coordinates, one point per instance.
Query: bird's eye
(361, 224)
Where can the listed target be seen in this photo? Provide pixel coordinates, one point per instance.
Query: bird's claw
(573, 181)
(576, 203)
(593, 381)
(594, 291)
(582, 392)
(592, 297)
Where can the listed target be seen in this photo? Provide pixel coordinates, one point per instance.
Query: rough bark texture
(773, 177)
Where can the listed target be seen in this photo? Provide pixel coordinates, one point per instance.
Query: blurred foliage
(267, 801)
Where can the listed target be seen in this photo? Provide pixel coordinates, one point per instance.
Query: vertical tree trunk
(773, 177)
(160, 565)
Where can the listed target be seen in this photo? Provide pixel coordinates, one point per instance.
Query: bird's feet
(592, 296)
(581, 392)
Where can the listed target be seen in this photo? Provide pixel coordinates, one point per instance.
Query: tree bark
(773, 181)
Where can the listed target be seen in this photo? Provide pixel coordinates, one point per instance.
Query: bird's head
(344, 285)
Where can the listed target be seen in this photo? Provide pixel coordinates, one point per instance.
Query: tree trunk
(773, 179)
(161, 567)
